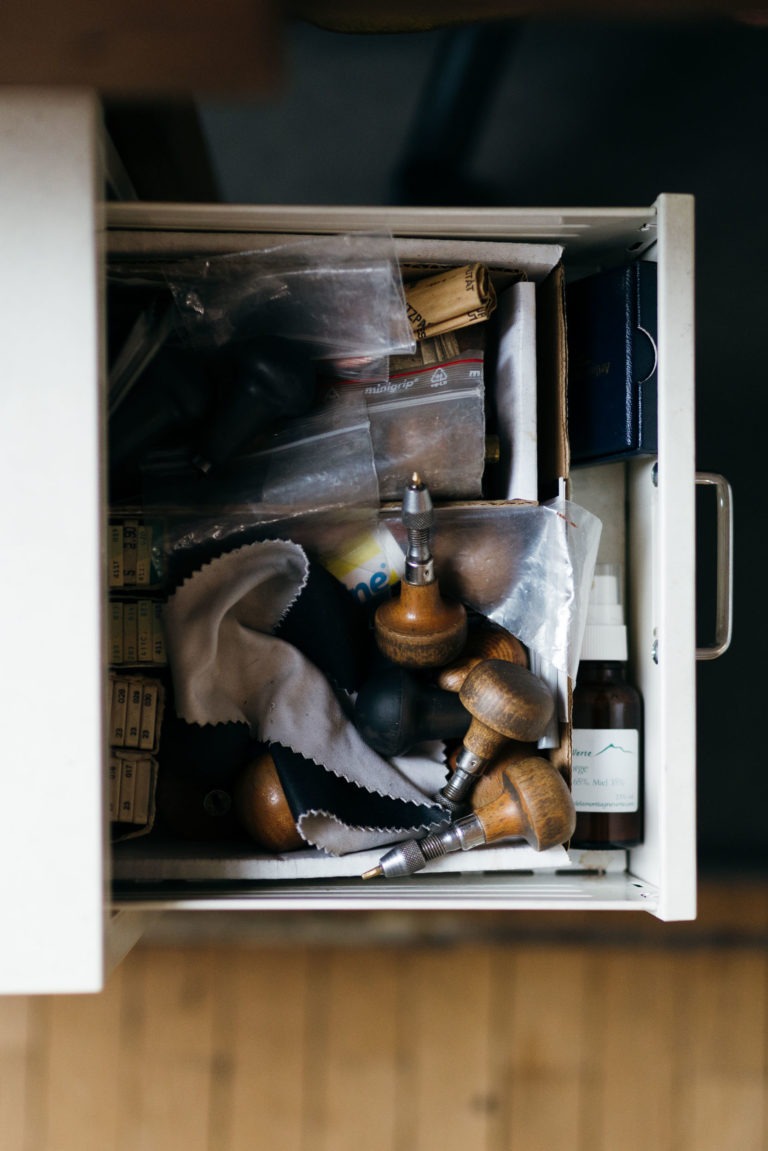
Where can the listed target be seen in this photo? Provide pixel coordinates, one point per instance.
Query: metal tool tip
(373, 872)
(416, 481)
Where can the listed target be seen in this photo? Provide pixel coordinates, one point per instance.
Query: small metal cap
(456, 791)
(418, 516)
(403, 859)
(418, 510)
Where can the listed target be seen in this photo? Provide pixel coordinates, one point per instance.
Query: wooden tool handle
(507, 701)
(262, 807)
(419, 628)
(485, 640)
(488, 786)
(532, 802)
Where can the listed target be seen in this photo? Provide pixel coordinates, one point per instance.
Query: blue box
(612, 362)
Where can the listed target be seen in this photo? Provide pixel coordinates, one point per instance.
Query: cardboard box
(534, 384)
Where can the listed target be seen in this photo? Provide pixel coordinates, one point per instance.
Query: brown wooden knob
(485, 640)
(527, 799)
(486, 787)
(262, 807)
(419, 628)
(507, 702)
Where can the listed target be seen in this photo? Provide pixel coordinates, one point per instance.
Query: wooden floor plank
(268, 1048)
(360, 1053)
(539, 1049)
(633, 1028)
(15, 1044)
(36, 1101)
(730, 1005)
(128, 1070)
(446, 1021)
(725, 1113)
(83, 1087)
(723, 1078)
(223, 1059)
(496, 1046)
(165, 1064)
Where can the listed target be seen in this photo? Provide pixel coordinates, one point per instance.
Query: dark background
(554, 112)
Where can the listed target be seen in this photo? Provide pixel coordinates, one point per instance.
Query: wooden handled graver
(526, 799)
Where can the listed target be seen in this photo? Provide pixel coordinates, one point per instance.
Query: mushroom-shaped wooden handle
(420, 629)
(506, 701)
(485, 640)
(524, 798)
(527, 799)
(262, 807)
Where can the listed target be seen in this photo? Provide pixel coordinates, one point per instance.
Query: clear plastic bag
(314, 483)
(528, 568)
(341, 296)
(431, 420)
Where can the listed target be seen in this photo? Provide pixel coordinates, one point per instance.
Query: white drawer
(55, 864)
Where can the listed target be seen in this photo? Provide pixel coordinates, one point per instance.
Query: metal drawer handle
(724, 607)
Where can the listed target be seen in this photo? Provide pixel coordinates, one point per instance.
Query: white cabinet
(52, 887)
(54, 861)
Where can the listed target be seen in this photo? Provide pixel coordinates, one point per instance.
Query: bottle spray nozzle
(605, 635)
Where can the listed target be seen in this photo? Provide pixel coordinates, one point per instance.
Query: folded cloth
(228, 667)
(362, 820)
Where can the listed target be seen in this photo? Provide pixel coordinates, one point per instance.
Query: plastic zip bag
(430, 419)
(528, 568)
(314, 483)
(341, 296)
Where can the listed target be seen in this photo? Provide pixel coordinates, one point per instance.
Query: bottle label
(606, 769)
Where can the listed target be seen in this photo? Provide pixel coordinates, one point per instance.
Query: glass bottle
(607, 727)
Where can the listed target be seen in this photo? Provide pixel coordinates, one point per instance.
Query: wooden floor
(610, 1039)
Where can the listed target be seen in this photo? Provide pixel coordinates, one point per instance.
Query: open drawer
(56, 874)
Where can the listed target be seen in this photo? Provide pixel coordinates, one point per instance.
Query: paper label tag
(606, 769)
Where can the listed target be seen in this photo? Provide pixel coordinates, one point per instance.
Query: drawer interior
(162, 869)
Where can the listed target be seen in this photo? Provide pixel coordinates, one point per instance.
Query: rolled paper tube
(452, 299)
